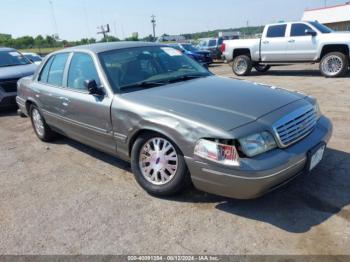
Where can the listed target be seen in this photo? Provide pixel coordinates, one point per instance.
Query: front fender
(130, 119)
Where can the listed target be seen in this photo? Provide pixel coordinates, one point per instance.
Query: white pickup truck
(286, 43)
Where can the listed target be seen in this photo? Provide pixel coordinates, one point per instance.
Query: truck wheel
(261, 68)
(158, 165)
(334, 64)
(42, 130)
(242, 65)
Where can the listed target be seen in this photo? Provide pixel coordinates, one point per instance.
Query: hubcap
(158, 161)
(332, 65)
(240, 66)
(38, 122)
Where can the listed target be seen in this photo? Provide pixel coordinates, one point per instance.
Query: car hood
(339, 34)
(216, 101)
(12, 72)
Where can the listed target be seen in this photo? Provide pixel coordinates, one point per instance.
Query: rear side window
(81, 68)
(55, 76)
(299, 29)
(276, 31)
(45, 71)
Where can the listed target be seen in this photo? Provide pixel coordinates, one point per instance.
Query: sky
(76, 19)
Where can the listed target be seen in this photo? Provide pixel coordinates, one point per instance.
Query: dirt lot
(66, 198)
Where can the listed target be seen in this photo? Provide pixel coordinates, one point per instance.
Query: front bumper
(261, 174)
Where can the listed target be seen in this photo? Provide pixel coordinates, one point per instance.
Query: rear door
(87, 117)
(273, 45)
(47, 89)
(301, 47)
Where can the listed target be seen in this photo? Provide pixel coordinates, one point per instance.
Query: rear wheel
(158, 165)
(42, 130)
(334, 64)
(242, 65)
(262, 68)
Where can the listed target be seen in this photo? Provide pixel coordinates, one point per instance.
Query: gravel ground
(67, 198)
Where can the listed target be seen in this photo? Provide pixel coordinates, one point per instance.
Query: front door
(87, 117)
(301, 47)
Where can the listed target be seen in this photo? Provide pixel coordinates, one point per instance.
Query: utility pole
(54, 19)
(104, 29)
(153, 21)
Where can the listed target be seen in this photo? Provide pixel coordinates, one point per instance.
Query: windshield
(190, 48)
(12, 58)
(132, 66)
(33, 58)
(322, 28)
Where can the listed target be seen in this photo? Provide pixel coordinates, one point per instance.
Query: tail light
(223, 47)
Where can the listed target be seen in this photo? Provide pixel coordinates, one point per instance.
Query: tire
(334, 64)
(242, 65)
(41, 129)
(262, 68)
(153, 182)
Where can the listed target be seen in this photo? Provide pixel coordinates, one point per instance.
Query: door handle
(266, 42)
(291, 41)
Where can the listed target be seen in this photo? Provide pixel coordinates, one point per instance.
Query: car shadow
(114, 161)
(296, 73)
(8, 112)
(305, 202)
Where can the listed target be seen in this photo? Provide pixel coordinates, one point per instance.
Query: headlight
(257, 144)
(217, 152)
(317, 110)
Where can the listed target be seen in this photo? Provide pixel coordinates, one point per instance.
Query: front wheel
(242, 65)
(261, 68)
(158, 165)
(334, 64)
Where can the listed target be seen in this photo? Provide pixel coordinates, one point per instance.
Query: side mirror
(310, 32)
(92, 87)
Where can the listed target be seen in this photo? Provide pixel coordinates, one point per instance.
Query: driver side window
(81, 68)
(299, 29)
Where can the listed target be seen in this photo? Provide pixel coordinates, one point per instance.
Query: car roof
(104, 47)
(7, 49)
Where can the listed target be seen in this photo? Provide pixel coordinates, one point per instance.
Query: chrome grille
(9, 86)
(296, 125)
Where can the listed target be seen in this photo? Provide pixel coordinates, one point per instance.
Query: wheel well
(238, 52)
(335, 48)
(138, 134)
(28, 104)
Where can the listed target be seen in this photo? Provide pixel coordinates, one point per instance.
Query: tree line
(28, 42)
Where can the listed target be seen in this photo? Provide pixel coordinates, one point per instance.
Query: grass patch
(45, 50)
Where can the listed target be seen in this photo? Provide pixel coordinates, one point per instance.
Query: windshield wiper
(185, 78)
(12, 65)
(144, 84)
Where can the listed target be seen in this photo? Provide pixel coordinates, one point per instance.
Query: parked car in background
(13, 66)
(293, 42)
(35, 58)
(201, 56)
(213, 45)
(174, 120)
